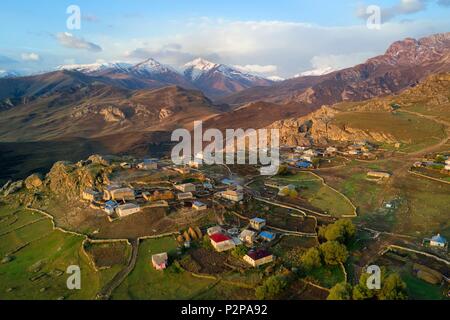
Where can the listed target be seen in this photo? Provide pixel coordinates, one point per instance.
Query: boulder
(34, 181)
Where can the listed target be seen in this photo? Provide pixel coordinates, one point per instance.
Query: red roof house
(221, 242)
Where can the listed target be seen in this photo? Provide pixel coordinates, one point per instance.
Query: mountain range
(213, 79)
(127, 107)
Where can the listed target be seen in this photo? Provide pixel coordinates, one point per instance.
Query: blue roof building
(438, 241)
(267, 236)
(303, 164)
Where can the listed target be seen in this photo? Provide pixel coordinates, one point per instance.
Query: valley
(87, 180)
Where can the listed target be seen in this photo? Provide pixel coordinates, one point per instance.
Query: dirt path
(107, 290)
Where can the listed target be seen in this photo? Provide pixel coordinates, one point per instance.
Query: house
(311, 153)
(117, 193)
(213, 230)
(304, 164)
(247, 236)
(354, 152)
(159, 261)
(378, 175)
(257, 223)
(228, 182)
(127, 209)
(110, 206)
(438, 241)
(232, 195)
(307, 158)
(148, 164)
(185, 196)
(331, 151)
(91, 195)
(199, 206)
(258, 257)
(222, 242)
(126, 165)
(267, 236)
(418, 164)
(159, 195)
(187, 187)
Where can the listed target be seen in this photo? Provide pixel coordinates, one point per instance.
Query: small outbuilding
(127, 209)
(438, 241)
(159, 261)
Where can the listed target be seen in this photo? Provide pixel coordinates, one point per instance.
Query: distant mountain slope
(218, 80)
(404, 64)
(413, 118)
(96, 110)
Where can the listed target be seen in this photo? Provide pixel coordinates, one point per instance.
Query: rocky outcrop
(319, 128)
(69, 180)
(35, 181)
(109, 113)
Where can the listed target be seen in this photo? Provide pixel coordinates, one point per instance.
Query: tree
(293, 194)
(342, 231)
(361, 291)
(341, 291)
(271, 287)
(284, 171)
(333, 252)
(393, 288)
(239, 251)
(311, 259)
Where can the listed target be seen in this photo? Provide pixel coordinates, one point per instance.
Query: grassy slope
(318, 194)
(40, 251)
(147, 283)
(413, 131)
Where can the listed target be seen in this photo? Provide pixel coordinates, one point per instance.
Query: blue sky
(273, 38)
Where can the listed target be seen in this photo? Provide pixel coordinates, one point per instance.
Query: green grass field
(412, 131)
(40, 258)
(145, 282)
(318, 194)
(421, 290)
(327, 276)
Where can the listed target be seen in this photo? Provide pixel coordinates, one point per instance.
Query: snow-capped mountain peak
(201, 64)
(9, 74)
(96, 67)
(152, 66)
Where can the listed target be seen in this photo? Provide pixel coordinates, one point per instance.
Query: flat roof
(219, 237)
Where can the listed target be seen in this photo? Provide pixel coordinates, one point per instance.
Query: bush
(271, 287)
(342, 231)
(311, 259)
(333, 252)
(239, 251)
(341, 291)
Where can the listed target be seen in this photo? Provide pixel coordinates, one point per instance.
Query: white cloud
(256, 68)
(30, 56)
(403, 7)
(290, 46)
(68, 40)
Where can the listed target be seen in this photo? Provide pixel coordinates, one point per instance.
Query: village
(295, 230)
(244, 235)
